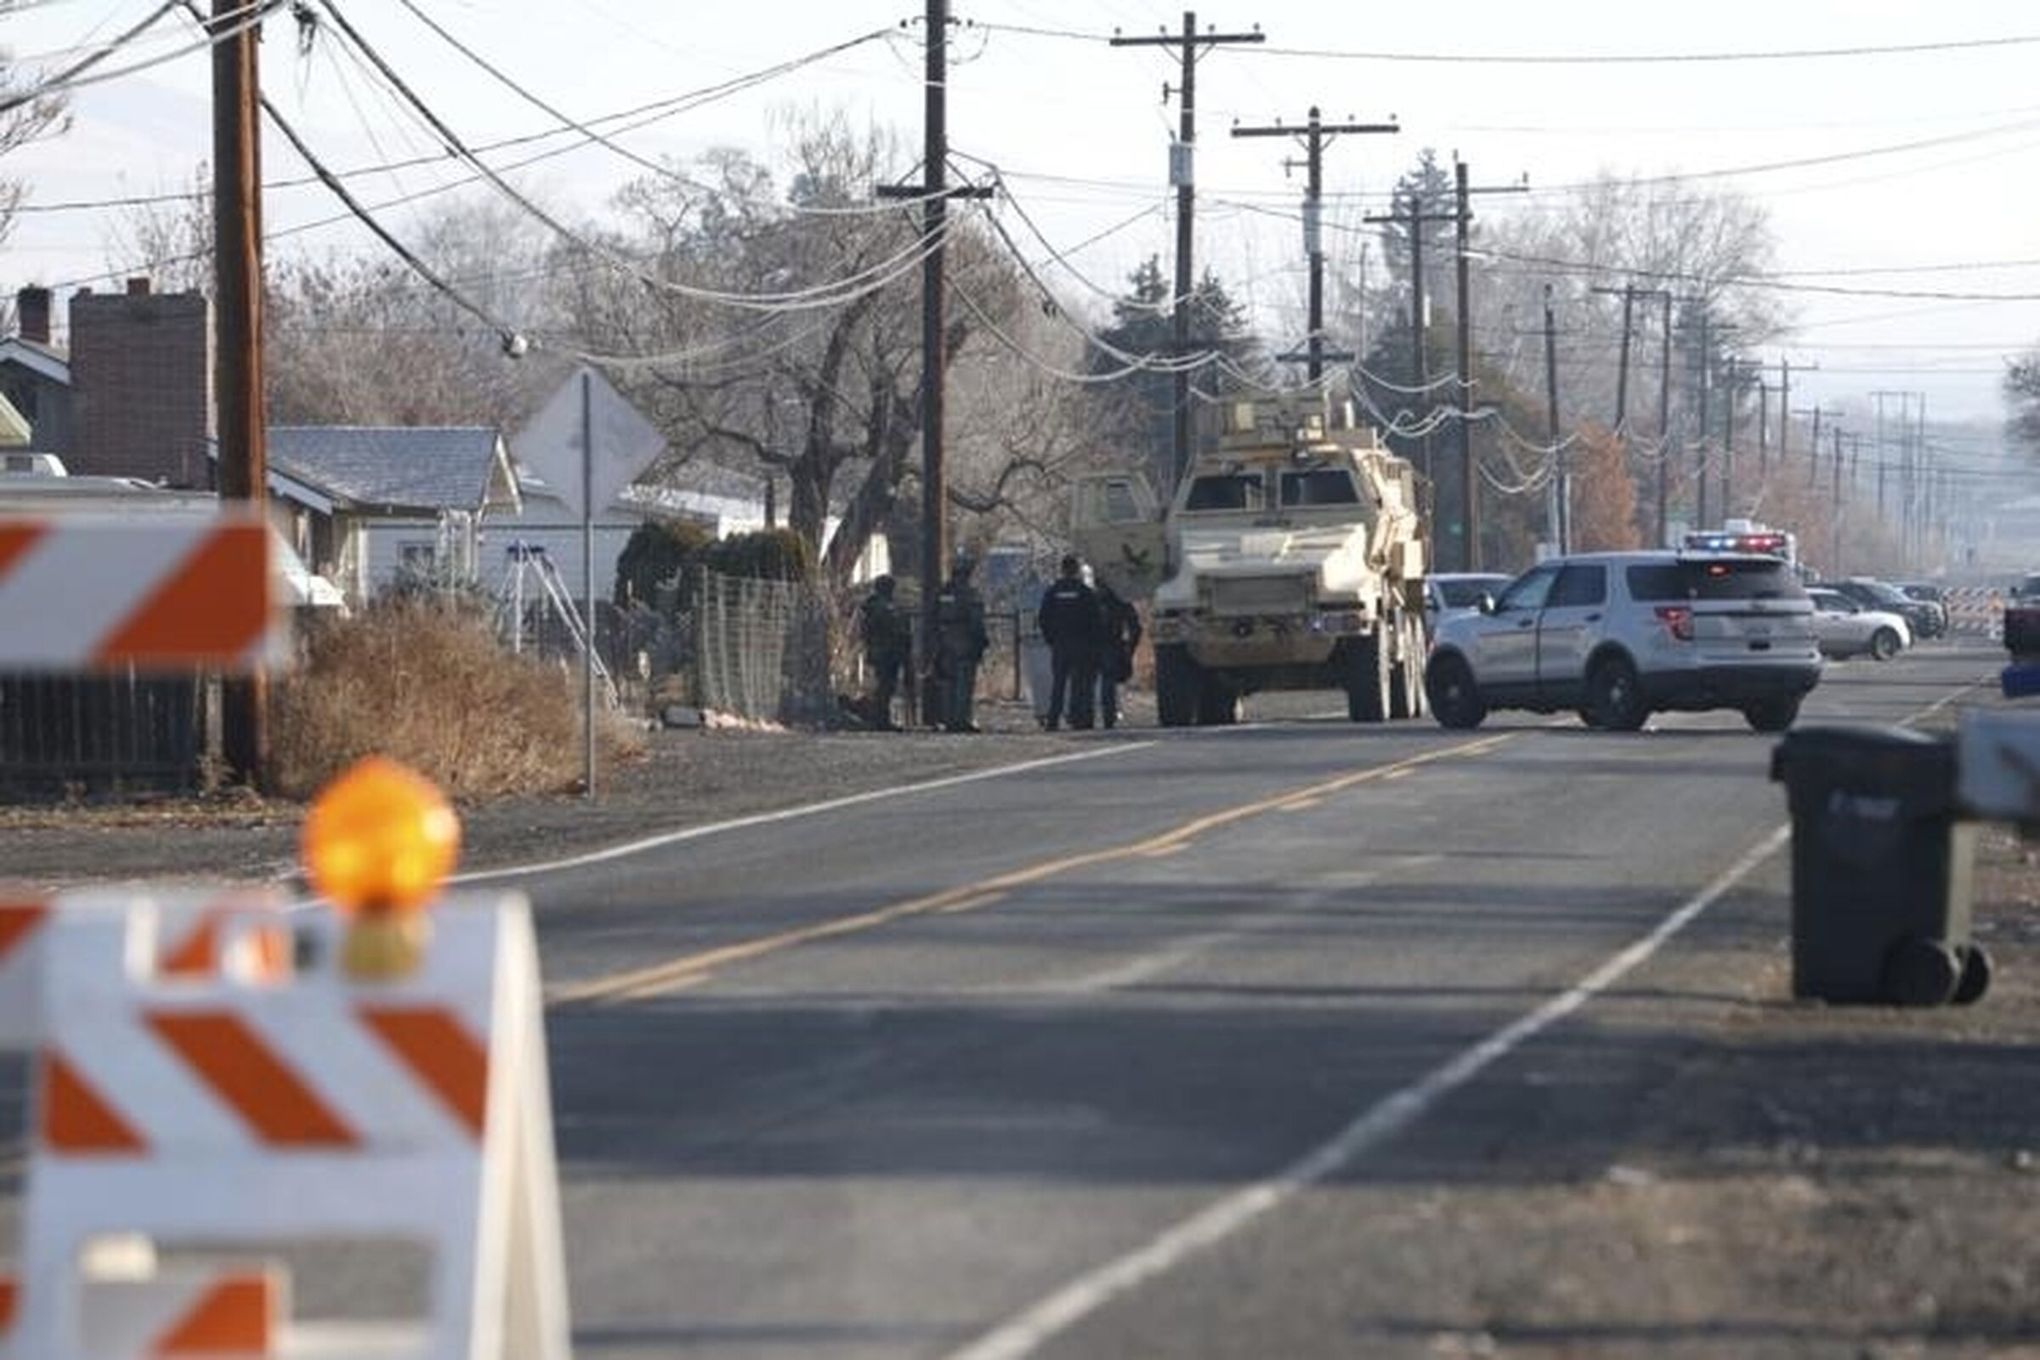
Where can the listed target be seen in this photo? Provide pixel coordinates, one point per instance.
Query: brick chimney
(32, 310)
(141, 380)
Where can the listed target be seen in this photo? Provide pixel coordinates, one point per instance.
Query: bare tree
(44, 115)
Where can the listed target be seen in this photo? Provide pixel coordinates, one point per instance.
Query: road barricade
(205, 1075)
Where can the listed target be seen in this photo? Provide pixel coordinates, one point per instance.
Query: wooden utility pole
(1664, 422)
(934, 193)
(242, 425)
(1420, 359)
(1560, 502)
(1469, 486)
(1182, 167)
(1315, 136)
(1835, 556)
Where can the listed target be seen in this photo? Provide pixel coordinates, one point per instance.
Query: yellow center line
(642, 983)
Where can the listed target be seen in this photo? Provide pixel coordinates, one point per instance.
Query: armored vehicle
(1292, 557)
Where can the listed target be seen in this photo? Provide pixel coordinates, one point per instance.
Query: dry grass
(428, 685)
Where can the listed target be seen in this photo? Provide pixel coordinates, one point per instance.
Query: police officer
(883, 630)
(1120, 636)
(960, 642)
(1073, 628)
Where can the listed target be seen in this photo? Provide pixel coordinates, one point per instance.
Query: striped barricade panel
(254, 1107)
(1977, 611)
(196, 1312)
(164, 593)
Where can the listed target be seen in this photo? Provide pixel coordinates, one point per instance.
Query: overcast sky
(1081, 131)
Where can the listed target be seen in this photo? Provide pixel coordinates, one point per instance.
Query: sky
(1908, 173)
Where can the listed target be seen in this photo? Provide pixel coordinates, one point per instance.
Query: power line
(86, 73)
(1580, 58)
(63, 78)
(644, 114)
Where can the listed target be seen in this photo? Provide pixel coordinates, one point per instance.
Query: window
(418, 556)
(1730, 578)
(1120, 505)
(1580, 584)
(1529, 590)
(1226, 491)
(1320, 486)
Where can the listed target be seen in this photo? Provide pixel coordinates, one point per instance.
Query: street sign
(624, 443)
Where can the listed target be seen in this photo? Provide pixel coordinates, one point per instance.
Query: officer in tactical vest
(960, 643)
(1073, 628)
(883, 630)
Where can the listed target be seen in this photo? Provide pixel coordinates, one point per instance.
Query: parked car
(1617, 636)
(1846, 628)
(1450, 593)
(1874, 594)
(1926, 592)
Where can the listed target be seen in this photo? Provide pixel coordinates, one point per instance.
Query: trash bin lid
(1868, 758)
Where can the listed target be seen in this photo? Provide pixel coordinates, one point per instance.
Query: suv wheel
(1218, 704)
(1178, 682)
(1455, 698)
(1615, 696)
(1772, 715)
(1367, 684)
(1884, 644)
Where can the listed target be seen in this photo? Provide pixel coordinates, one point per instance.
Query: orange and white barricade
(248, 1104)
(160, 593)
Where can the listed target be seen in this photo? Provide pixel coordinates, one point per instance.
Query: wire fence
(761, 648)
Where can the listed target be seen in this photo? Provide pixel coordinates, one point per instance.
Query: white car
(1448, 594)
(1846, 628)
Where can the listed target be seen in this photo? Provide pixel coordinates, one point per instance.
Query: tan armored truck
(1292, 558)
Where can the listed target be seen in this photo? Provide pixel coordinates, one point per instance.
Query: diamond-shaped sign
(625, 444)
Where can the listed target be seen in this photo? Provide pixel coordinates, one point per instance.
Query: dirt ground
(1784, 1179)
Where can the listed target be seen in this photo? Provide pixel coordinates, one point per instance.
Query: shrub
(658, 551)
(766, 555)
(432, 687)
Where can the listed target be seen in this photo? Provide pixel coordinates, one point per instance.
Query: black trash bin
(1880, 868)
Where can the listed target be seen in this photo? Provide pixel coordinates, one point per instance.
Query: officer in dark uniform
(960, 643)
(1073, 628)
(1121, 637)
(883, 630)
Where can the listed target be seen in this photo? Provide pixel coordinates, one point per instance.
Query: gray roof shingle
(413, 467)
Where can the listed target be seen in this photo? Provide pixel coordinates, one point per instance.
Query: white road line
(1042, 1322)
(1087, 1293)
(694, 833)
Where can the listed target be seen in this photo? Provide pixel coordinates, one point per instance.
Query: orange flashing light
(380, 838)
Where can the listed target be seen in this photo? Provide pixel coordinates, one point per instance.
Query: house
(35, 375)
(371, 504)
(132, 394)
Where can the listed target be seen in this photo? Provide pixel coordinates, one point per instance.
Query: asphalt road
(1088, 1058)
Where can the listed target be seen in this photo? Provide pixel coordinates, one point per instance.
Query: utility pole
(1763, 427)
(1420, 361)
(1664, 423)
(934, 193)
(237, 362)
(1469, 486)
(1561, 483)
(1315, 136)
(1190, 45)
(1627, 292)
(1785, 412)
(1835, 555)
(1882, 457)
(1700, 444)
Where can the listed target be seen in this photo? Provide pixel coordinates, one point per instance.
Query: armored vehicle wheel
(1217, 704)
(1367, 678)
(1455, 698)
(1179, 685)
(1406, 680)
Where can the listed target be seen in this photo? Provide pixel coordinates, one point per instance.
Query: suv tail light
(1678, 621)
